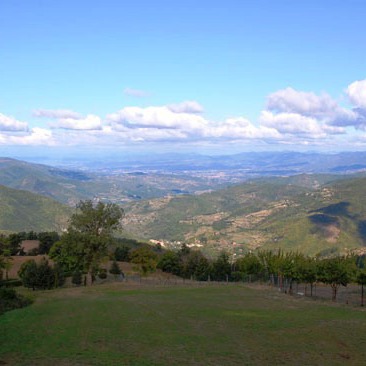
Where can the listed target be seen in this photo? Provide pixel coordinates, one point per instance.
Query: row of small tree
(277, 267)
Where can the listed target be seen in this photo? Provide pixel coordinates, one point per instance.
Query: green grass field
(126, 324)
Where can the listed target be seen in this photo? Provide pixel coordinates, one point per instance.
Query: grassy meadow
(131, 324)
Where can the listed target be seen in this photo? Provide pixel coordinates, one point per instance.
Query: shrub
(10, 299)
(41, 276)
(102, 274)
(115, 270)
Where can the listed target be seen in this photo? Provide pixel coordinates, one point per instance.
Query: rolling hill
(273, 213)
(71, 186)
(25, 211)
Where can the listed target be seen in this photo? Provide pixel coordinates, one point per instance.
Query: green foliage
(40, 276)
(249, 264)
(10, 299)
(221, 267)
(115, 270)
(6, 262)
(77, 277)
(195, 265)
(14, 240)
(336, 271)
(145, 260)
(170, 262)
(85, 244)
(96, 220)
(46, 240)
(122, 253)
(102, 274)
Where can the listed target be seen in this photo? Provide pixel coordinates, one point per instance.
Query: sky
(201, 76)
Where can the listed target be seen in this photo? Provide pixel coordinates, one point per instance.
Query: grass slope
(25, 211)
(219, 325)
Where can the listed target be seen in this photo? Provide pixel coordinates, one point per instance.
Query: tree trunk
(334, 292)
(362, 295)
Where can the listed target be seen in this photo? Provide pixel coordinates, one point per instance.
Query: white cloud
(189, 106)
(136, 93)
(11, 124)
(290, 100)
(297, 124)
(37, 136)
(297, 112)
(241, 129)
(56, 113)
(90, 122)
(158, 118)
(357, 93)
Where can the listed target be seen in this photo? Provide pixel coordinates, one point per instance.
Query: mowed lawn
(125, 324)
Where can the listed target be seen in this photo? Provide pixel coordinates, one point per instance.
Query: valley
(210, 209)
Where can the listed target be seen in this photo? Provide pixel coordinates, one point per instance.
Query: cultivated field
(133, 324)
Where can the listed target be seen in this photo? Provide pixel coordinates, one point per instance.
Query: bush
(41, 276)
(102, 274)
(10, 299)
(122, 254)
(115, 270)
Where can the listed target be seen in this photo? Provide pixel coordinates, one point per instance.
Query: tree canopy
(85, 244)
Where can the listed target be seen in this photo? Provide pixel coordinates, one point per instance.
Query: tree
(170, 262)
(77, 277)
(196, 265)
(248, 265)
(46, 240)
(96, 220)
(221, 267)
(145, 260)
(85, 244)
(14, 241)
(335, 272)
(308, 273)
(361, 280)
(6, 262)
(40, 276)
(122, 253)
(115, 270)
(29, 274)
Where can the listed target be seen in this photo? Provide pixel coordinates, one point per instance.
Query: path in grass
(221, 325)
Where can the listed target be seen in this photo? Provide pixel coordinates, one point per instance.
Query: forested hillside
(25, 211)
(269, 214)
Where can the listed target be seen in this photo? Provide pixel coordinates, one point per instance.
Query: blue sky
(208, 76)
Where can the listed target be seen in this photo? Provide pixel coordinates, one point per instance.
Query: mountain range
(309, 212)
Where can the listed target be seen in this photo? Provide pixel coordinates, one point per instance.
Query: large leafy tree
(96, 220)
(85, 244)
